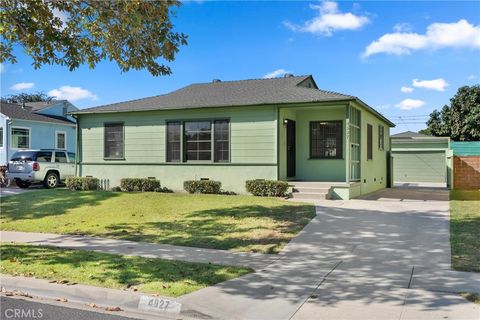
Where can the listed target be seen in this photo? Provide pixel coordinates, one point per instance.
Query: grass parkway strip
(163, 277)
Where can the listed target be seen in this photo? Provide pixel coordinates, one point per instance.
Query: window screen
(198, 140)
(61, 140)
(222, 136)
(326, 139)
(113, 139)
(173, 141)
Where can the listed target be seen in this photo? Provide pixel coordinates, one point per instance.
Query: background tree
(133, 33)
(460, 120)
(26, 97)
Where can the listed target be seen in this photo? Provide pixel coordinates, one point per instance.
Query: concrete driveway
(386, 256)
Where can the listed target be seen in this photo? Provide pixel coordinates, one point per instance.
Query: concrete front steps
(311, 190)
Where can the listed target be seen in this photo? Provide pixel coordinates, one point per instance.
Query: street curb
(84, 295)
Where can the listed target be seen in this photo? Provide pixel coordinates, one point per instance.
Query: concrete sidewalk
(255, 261)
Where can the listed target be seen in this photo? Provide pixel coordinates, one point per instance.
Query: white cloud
(402, 27)
(329, 19)
(405, 89)
(471, 77)
(461, 34)
(409, 104)
(72, 93)
(435, 84)
(276, 73)
(22, 86)
(2, 68)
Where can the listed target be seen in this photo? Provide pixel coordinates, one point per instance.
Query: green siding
(420, 166)
(373, 172)
(253, 141)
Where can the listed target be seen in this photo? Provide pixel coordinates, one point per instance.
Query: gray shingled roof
(42, 104)
(15, 111)
(409, 134)
(293, 89)
(228, 93)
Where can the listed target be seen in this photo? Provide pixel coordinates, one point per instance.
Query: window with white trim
(20, 138)
(61, 140)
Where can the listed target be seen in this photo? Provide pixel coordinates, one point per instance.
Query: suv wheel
(22, 184)
(51, 180)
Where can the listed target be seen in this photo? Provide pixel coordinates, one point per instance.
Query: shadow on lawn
(114, 270)
(204, 229)
(39, 204)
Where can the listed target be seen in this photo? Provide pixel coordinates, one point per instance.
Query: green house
(326, 143)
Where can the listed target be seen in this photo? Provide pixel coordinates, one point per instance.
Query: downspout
(7, 139)
(278, 141)
(77, 146)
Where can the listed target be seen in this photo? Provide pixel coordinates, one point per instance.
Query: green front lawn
(239, 223)
(464, 229)
(170, 278)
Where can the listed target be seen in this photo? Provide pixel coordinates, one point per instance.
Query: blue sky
(367, 49)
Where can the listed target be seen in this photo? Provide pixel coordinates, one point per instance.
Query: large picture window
(198, 140)
(113, 141)
(222, 137)
(326, 140)
(203, 140)
(20, 138)
(173, 141)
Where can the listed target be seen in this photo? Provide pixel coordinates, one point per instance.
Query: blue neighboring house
(36, 125)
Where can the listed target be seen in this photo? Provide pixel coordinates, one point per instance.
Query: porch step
(312, 190)
(310, 196)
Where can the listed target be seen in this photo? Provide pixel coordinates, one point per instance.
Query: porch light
(285, 121)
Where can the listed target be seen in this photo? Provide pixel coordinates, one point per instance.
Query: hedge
(202, 186)
(82, 183)
(139, 184)
(267, 188)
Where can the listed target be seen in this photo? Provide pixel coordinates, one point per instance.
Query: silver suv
(49, 166)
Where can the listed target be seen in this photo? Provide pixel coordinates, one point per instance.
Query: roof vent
(288, 75)
(216, 80)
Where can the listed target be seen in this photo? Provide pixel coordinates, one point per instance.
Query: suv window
(44, 156)
(60, 157)
(71, 157)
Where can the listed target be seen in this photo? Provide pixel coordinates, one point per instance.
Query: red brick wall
(466, 172)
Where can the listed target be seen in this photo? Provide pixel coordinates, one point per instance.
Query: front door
(290, 148)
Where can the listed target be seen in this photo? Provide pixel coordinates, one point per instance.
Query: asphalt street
(13, 308)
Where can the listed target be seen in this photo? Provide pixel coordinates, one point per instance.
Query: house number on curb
(156, 304)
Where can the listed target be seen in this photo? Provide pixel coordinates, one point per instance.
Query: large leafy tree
(26, 97)
(460, 120)
(133, 33)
